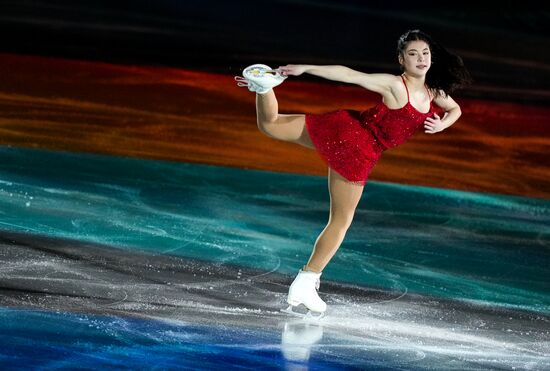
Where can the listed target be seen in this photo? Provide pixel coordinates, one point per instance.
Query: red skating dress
(351, 142)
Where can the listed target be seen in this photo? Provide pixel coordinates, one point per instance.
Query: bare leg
(289, 128)
(344, 197)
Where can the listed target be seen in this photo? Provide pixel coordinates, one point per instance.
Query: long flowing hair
(447, 72)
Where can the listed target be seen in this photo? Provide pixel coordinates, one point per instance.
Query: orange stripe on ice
(176, 114)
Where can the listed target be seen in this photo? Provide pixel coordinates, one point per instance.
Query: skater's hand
(433, 124)
(292, 69)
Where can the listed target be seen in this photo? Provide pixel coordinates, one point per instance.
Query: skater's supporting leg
(289, 128)
(344, 197)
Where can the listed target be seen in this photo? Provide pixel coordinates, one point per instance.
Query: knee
(266, 128)
(341, 221)
(265, 121)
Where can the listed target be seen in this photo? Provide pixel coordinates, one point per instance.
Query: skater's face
(417, 58)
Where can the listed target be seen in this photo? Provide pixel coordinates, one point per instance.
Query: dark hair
(447, 72)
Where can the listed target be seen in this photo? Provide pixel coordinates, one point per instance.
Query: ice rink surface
(112, 262)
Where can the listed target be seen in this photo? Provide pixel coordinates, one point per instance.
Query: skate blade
(308, 315)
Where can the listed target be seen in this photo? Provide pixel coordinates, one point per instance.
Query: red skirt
(344, 143)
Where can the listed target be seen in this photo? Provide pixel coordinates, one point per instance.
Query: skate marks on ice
(116, 292)
(486, 248)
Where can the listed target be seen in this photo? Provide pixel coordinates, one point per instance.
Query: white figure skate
(260, 78)
(304, 291)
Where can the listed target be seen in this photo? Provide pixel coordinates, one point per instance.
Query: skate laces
(241, 81)
(244, 82)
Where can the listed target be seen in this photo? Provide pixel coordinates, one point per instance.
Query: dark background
(506, 48)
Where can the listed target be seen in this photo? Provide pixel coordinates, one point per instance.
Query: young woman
(351, 142)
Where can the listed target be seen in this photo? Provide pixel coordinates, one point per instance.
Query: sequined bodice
(392, 127)
(351, 142)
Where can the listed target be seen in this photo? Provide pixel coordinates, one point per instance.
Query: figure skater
(351, 142)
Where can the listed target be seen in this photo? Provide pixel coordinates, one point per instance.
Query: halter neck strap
(407, 89)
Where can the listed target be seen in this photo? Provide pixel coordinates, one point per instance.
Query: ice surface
(108, 260)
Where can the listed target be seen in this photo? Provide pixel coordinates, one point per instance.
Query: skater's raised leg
(261, 79)
(289, 128)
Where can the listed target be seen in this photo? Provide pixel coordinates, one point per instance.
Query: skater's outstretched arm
(377, 82)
